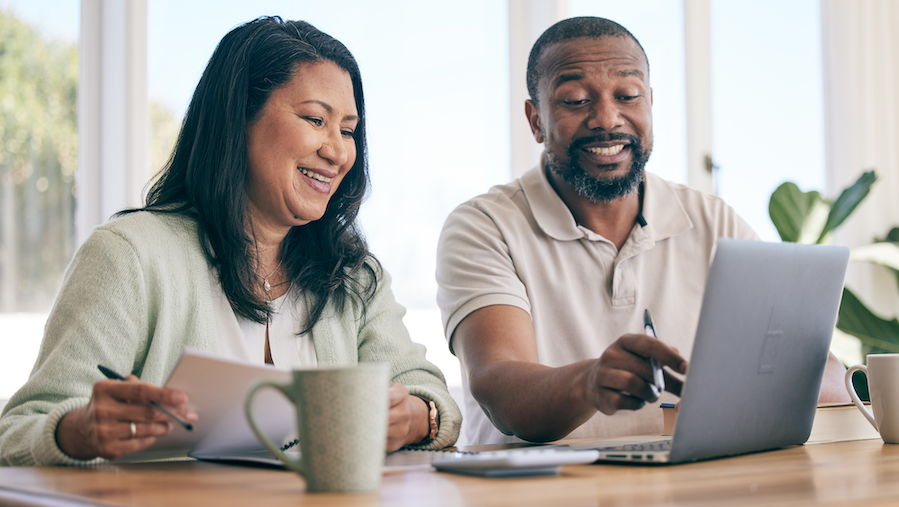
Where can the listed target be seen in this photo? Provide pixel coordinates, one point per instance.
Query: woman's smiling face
(301, 145)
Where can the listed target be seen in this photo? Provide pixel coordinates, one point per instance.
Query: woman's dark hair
(207, 173)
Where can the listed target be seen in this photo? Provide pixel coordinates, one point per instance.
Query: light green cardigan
(138, 292)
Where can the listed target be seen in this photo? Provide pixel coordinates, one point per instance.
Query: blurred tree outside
(164, 130)
(38, 158)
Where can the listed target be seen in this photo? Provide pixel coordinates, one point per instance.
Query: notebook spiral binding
(296, 441)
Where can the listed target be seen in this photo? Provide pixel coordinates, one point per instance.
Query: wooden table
(847, 473)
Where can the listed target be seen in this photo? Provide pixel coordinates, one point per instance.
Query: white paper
(215, 389)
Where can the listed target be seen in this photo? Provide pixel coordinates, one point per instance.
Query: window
(38, 159)
(767, 102)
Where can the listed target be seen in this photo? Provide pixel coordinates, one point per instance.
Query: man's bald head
(567, 29)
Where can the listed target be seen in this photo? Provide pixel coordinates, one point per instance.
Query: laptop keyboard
(662, 445)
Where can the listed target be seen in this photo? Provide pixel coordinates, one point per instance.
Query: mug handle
(854, 395)
(299, 465)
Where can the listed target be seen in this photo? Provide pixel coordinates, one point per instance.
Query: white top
(244, 339)
(519, 245)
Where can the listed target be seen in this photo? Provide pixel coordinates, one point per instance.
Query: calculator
(514, 462)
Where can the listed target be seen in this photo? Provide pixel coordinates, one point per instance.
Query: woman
(247, 246)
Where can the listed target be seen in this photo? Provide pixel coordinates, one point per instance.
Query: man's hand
(103, 427)
(620, 379)
(407, 420)
(833, 386)
(535, 402)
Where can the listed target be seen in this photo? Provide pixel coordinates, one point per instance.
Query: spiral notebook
(406, 459)
(215, 388)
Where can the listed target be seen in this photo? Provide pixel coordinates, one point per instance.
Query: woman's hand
(118, 421)
(407, 421)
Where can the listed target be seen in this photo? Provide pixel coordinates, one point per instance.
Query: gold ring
(133, 429)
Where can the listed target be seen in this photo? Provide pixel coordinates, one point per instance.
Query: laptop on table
(762, 342)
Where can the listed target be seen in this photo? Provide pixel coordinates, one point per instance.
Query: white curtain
(860, 44)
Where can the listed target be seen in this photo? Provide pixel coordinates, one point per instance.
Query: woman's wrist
(425, 422)
(70, 439)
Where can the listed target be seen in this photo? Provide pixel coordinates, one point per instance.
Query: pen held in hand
(657, 374)
(115, 376)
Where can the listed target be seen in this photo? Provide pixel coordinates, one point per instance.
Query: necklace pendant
(267, 286)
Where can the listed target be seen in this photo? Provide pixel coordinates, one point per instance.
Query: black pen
(115, 376)
(657, 374)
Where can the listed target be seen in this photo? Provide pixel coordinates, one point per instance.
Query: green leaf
(878, 336)
(893, 236)
(883, 253)
(789, 209)
(847, 202)
(814, 224)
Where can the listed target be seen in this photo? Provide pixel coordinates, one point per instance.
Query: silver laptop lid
(761, 346)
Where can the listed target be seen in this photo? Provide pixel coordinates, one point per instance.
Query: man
(543, 282)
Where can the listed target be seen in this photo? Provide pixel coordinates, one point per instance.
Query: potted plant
(807, 217)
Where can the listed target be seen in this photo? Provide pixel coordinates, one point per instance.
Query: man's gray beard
(596, 189)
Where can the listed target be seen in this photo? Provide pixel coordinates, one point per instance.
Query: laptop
(758, 360)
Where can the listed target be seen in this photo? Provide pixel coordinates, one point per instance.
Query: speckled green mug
(342, 422)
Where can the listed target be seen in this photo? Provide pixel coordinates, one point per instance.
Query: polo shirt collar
(662, 209)
(550, 211)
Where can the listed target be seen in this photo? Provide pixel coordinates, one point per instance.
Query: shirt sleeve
(474, 265)
(734, 226)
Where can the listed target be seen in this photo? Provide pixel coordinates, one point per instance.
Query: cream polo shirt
(519, 245)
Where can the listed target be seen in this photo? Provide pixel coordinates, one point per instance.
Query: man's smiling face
(595, 115)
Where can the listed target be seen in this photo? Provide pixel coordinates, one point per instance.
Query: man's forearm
(535, 402)
(531, 401)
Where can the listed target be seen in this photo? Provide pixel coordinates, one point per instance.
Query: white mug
(883, 385)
